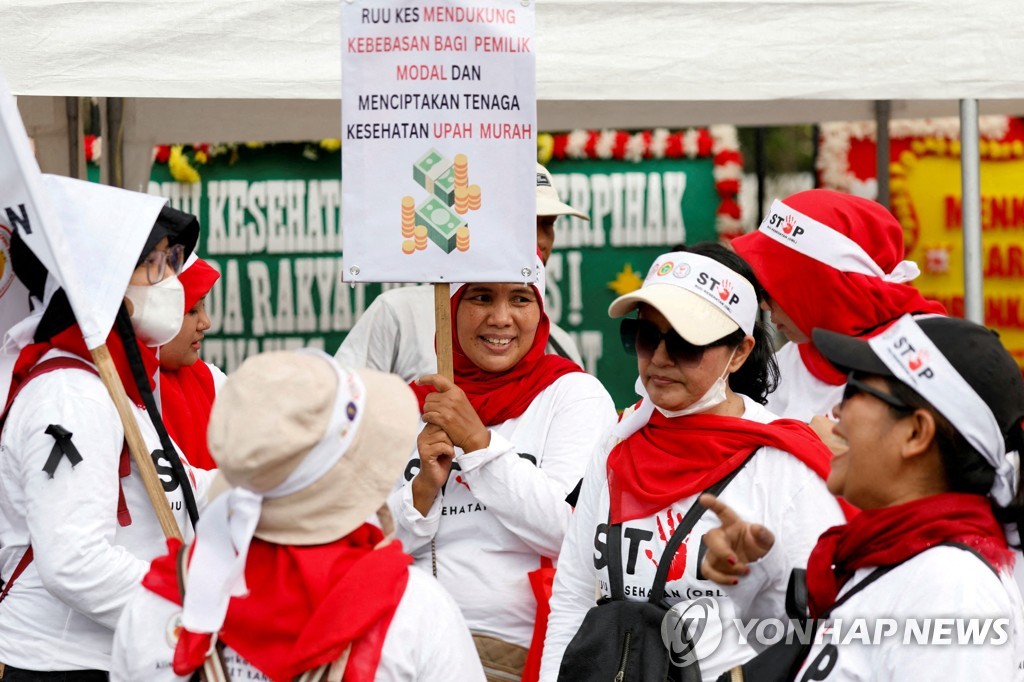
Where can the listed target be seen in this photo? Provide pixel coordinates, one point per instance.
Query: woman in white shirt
(705, 366)
(74, 515)
(484, 501)
(918, 585)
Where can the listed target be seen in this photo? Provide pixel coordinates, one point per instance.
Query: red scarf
(305, 605)
(187, 393)
(670, 459)
(817, 296)
(500, 397)
(186, 397)
(70, 340)
(888, 536)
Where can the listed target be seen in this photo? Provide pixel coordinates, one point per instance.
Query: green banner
(638, 211)
(272, 226)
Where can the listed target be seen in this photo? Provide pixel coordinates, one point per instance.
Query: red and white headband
(725, 289)
(817, 240)
(917, 362)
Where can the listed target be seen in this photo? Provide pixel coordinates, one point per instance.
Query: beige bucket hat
(277, 407)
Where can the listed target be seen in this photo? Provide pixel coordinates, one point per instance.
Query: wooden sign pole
(443, 330)
(212, 670)
(136, 445)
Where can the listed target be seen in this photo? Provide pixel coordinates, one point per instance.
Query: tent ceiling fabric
(627, 63)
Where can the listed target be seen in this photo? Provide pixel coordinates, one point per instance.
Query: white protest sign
(439, 127)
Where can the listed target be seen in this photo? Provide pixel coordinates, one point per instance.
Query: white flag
(88, 236)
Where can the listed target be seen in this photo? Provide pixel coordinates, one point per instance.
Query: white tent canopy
(628, 63)
(229, 71)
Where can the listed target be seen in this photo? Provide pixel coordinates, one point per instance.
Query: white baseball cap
(701, 298)
(548, 202)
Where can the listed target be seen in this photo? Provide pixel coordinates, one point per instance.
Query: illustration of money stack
(438, 216)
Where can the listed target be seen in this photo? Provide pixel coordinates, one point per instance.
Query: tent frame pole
(883, 114)
(970, 206)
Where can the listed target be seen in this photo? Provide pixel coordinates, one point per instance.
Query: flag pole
(136, 445)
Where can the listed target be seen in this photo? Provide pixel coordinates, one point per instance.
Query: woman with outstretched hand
(484, 501)
(932, 416)
(705, 365)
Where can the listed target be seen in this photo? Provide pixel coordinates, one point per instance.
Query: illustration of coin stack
(438, 216)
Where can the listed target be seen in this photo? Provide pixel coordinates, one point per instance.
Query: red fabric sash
(817, 296)
(500, 397)
(186, 398)
(306, 604)
(670, 459)
(887, 536)
(70, 340)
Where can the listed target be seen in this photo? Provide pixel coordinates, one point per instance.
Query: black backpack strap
(693, 515)
(972, 550)
(871, 577)
(615, 582)
(557, 347)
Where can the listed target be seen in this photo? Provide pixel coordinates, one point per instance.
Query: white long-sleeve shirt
(504, 506)
(427, 640)
(396, 334)
(800, 395)
(941, 584)
(774, 487)
(61, 612)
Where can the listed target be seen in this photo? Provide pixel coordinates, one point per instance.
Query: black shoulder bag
(621, 640)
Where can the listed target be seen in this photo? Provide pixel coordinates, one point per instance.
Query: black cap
(179, 228)
(975, 352)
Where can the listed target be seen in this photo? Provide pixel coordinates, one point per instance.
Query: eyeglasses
(855, 386)
(157, 262)
(642, 338)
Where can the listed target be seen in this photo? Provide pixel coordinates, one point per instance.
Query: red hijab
(891, 535)
(187, 393)
(498, 397)
(669, 459)
(301, 611)
(818, 296)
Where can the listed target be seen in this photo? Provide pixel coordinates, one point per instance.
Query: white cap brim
(548, 205)
(692, 316)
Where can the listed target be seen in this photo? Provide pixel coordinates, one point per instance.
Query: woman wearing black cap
(76, 527)
(918, 585)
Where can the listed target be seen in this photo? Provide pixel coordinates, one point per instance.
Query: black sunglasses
(642, 337)
(855, 386)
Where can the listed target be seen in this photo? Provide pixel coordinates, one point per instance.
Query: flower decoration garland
(846, 159)
(718, 142)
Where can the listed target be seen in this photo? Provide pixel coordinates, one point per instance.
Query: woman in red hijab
(502, 448)
(828, 261)
(187, 384)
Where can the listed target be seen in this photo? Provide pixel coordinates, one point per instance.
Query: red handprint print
(725, 290)
(678, 565)
(790, 224)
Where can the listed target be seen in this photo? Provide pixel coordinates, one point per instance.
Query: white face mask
(714, 396)
(158, 310)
